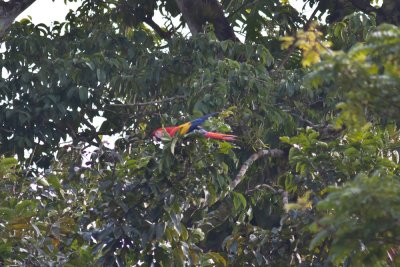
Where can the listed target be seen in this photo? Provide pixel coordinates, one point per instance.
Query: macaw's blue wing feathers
(195, 123)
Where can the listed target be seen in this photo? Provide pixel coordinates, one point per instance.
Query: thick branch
(198, 12)
(194, 27)
(9, 11)
(389, 12)
(163, 33)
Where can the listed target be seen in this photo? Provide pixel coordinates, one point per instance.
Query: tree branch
(273, 153)
(389, 12)
(219, 215)
(284, 194)
(161, 32)
(242, 6)
(169, 99)
(285, 197)
(260, 186)
(9, 11)
(198, 12)
(292, 48)
(194, 27)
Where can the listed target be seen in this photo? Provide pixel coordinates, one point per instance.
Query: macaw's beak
(159, 134)
(155, 136)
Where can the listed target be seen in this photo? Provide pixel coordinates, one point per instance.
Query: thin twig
(285, 198)
(301, 118)
(32, 155)
(285, 195)
(262, 186)
(244, 4)
(308, 23)
(169, 99)
(93, 131)
(6, 130)
(292, 48)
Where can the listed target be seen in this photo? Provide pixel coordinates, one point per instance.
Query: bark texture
(389, 12)
(9, 11)
(198, 12)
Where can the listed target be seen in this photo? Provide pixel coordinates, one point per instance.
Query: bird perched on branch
(192, 126)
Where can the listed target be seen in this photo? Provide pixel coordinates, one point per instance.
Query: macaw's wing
(189, 126)
(195, 123)
(219, 136)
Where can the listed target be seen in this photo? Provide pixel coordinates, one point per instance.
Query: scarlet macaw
(192, 126)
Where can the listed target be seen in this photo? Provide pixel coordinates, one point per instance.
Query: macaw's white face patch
(160, 133)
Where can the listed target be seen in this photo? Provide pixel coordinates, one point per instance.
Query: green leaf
(6, 213)
(197, 234)
(25, 205)
(43, 181)
(8, 162)
(101, 75)
(83, 94)
(318, 239)
(173, 144)
(91, 65)
(217, 259)
(54, 181)
(239, 200)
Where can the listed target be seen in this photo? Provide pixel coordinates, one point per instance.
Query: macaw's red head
(164, 132)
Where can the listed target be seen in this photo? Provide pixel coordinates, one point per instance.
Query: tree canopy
(312, 180)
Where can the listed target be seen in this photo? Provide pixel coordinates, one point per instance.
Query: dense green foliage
(326, 95)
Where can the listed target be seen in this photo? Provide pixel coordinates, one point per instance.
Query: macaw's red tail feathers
(220, 136)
